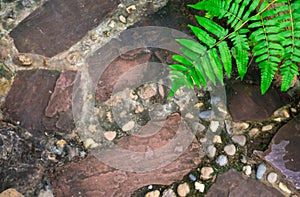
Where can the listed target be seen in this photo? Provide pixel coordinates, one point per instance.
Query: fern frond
(240, 51)
(217, 8)
(290, 21)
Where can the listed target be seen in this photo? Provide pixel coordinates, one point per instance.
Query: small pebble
(128, 126)
(247, 170)
(199, 186)
(211, 151)
(90, 143)
(284, 188)
(228, 126)
(130, 8)
(189, 115)
(215, 100)
(261, 169)
(239, 139)
(154, 193)
(150, 187)
(244, 159)
(267, 128)
(10, 193)
(198, 127)
(239, 127)
(147, 92)
(169, 193)
(24, 60)
(293, 110)
(217, 139)
(192, 177)
(253, 132)
(61, 143)
(110, 135)
(206, 173)
(222, 160)
(122, 19)
(214, 125)
(183, 189)
(272, 177)
(112, 24)
(230, 149)
(206, 115)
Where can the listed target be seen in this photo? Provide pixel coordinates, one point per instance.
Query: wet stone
(233, 183)
(283, 152)
(245, 102)
(28, 98)
(57, 25)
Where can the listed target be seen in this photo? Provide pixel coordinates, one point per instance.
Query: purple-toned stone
(234, 184)
(245, 102)
(283, 152)
(28, 97)
(58, 25)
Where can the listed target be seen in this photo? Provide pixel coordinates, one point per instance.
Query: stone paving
(251, 150)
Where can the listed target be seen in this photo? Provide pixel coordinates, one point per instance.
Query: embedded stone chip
(230, 149)
(110, 135)
(154, 193)
(183, 189)
(206, 173)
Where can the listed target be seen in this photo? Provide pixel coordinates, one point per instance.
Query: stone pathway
(249, 149)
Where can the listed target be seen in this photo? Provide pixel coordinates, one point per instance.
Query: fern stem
(292, 28)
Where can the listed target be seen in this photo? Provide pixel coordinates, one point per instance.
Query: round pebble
(230, 149)
(183, 189)
(217, 139)
(272, 177)
(169, 193)
(247, 170)
(10, 192)
(253, 132)
(211, 151)
(284, 188)
(122, 19)
(110, 135)
(128, 126)
(154, 193)
(267, 128)
(199, 186)
(206, 115)
(214, 125)
(206, 173)
(222, 160)
(261, 169)
(192, 177)
(239, 127)
(239, 139)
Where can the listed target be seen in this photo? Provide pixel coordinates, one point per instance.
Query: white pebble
(154, 193)
(169, 193)
(183, 189)
(230, 149)
(239, 139)
(217, 139)
(247, 170)
(206, 173)
(284, 188)
(222, 160)
(272, 177)
(261, 169)
(128, 126)
(253, 132)
(214, 125)
(199, 186)
(110, 135)
(122, 19)
(267, 128)
(211, 151)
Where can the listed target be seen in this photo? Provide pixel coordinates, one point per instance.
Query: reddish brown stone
(28, 97)
(283, 152)
(93, 178)
(57, 25)
(234, 184)
(245, 102)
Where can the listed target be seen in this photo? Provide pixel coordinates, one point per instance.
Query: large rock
(283, 152)
(93, 178)
(234, 184)
(245, 102)
(57, 25)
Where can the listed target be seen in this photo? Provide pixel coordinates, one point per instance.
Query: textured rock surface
(234, 184)
(283, 152)
(91, 177)
(57, 25)
(245, 102)
(28, 98)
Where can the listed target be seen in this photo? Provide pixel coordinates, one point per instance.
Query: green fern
(275, 37)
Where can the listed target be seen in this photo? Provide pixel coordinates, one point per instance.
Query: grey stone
(222, 160)
(239, 139)
(261, 169)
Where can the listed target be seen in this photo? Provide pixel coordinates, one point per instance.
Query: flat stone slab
(91, 177)
(28, 98)
(234, 184)
(245, 102)
(58, 25)
(283, 152)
